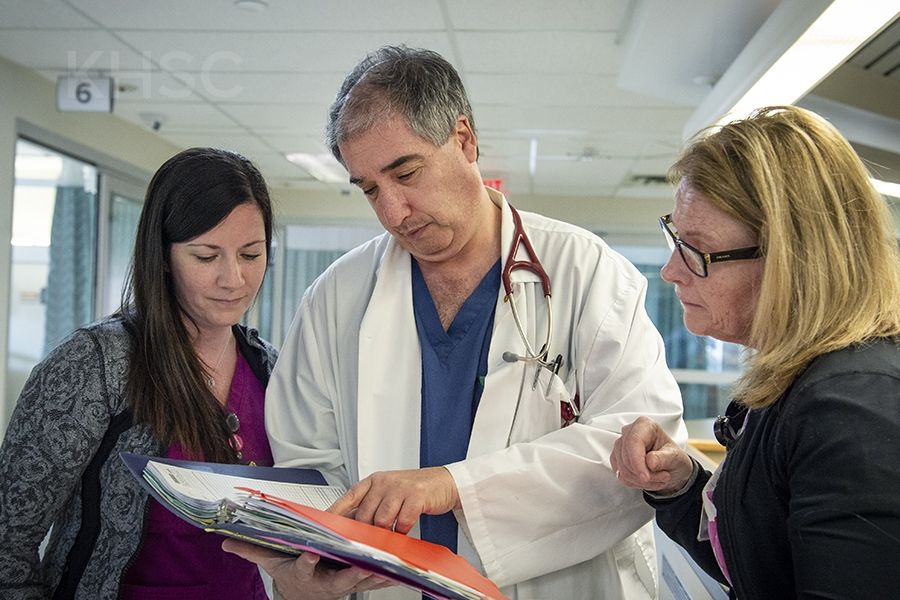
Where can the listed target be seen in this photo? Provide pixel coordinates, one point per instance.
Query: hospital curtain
(685, 350)
(69, 293)
(300, 269)
(123, 224)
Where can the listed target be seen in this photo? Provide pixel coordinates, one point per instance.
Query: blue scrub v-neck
(454, 364)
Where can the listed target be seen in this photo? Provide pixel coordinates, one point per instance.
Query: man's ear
(466, 136)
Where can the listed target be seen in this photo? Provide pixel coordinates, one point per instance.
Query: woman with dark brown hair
(172, 373)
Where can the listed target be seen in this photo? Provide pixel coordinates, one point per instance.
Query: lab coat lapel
(390, 372)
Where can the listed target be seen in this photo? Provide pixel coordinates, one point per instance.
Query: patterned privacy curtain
(685, 350)
(124, 216)
(264, 308)
(70, 279)
(301, 267)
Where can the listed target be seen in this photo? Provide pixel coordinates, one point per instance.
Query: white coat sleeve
(300, 413)
(541, 506)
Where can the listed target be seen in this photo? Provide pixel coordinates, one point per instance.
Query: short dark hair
(416, 84)
(190, 194)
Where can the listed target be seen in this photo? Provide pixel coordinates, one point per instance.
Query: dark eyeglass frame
(665, 223)
(728, 427)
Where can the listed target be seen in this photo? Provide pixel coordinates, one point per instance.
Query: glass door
(122, 201)
(53, 269)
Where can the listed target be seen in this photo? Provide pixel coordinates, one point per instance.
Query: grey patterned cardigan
(60, 466)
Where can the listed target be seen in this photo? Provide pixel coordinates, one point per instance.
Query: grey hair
(418, 85)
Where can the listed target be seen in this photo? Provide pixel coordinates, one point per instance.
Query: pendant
(233, 422)
(235, 441)
(237, 444)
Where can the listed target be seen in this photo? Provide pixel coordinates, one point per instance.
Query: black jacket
(808, 501)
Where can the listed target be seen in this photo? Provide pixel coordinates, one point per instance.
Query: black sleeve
(679, 518)
(840, 447)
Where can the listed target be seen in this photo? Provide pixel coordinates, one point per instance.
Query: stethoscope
(534, 265)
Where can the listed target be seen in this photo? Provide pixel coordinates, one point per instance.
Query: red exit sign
(493, 183)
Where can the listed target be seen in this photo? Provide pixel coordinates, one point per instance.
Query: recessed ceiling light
(251, 5)
(323, 167)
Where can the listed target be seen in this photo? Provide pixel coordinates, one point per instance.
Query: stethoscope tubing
(530, 354)
(534, 265)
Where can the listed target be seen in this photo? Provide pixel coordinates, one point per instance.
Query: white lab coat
(542, 513)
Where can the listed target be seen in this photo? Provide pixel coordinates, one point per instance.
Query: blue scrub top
(454, 365)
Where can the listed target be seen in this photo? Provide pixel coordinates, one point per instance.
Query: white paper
(213, 487)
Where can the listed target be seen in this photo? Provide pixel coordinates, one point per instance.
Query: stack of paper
(283, 509)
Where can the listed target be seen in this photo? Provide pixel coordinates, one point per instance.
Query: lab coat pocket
(538, 412)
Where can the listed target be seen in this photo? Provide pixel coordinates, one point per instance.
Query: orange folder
(419, 553)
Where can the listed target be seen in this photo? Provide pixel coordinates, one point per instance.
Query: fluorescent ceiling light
(886, 188)
(323, 167)
(786, 58)
(251, 5)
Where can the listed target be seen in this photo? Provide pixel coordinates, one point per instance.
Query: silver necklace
(210, 379)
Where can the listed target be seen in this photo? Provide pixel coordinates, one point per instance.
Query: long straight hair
(832, 267)
(190, 194)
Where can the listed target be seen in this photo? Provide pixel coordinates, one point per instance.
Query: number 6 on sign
(84, 94)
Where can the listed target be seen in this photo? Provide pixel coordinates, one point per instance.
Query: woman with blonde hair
(784, 246)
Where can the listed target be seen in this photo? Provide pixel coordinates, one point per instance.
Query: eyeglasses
(728, 427)
(698, 262)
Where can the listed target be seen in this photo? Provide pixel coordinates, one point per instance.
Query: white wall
(28, 99)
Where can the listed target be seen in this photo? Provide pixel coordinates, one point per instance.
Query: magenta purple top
(178, 561)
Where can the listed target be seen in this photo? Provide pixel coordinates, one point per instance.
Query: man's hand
(395, 499)
(301, 577)
(645, 457)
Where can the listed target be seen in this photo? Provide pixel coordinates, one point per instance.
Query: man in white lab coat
(405, 374)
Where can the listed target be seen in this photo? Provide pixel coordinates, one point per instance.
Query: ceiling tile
(248, 145)
(73, 50)
(42, 14)
(312, 52)
(644, 123)
(178, 116)
(539, 52)
(536, 15)
(262, 82)
(266, 88)
(562, 89)
(288, 143)
(284, 15)
(307, 118)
